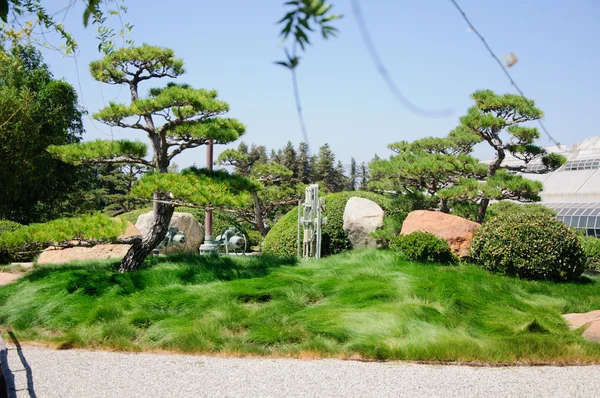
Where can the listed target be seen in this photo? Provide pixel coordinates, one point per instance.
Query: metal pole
(208, 233)
(298, 237)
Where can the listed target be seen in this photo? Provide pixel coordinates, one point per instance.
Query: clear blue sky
(230, 45)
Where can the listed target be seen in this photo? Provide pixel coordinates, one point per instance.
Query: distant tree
(304, 164)
(258, 154)
(363, 176)
(289, 159)
(277, 188)
(116, 182)
(353, 175)
(174, 118)
(326, 171)
(276, 156)
(340, 176)
(36, 110)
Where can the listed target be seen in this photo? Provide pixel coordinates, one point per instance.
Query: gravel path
(82, 373)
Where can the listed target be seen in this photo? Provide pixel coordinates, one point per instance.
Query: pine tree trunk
(483, 205)
(139, 251)
(444, 206)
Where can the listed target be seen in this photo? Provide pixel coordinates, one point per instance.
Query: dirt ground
(6, 278)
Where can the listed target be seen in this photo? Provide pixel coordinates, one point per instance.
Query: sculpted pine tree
(428, 165)
(174, 118)
(492, 117)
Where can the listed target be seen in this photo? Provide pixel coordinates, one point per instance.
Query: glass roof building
(573, 191)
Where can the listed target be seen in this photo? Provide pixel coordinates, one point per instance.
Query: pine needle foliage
(88, 227)
(198, 187)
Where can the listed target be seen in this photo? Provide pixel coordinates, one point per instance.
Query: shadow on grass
(98, 278)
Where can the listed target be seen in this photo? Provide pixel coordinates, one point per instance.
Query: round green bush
(423, 247)
(530, 246)
(282, 238)
(591, 247)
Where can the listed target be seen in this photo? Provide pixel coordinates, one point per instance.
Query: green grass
(366, 304)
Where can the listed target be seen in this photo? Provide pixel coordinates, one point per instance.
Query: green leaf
(331, 17)
(286, 30)
(304, 22)
(91, 9)
(323, 9)
(289, 15)
(4, 10)
(284, 64)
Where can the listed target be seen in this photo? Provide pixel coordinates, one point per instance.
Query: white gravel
(82, 373)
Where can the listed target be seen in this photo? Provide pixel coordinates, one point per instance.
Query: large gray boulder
(187, 223)
(362, 217)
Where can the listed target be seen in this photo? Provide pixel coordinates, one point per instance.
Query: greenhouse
(573, 191)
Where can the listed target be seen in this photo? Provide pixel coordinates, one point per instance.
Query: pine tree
(427, 166)
(174, 118)
(339, 181)
(353, 175)
(324, 169)
(304, 163)
(364, 177)
(277, 188)
(289, 159)
(116, 182)
(491, 116)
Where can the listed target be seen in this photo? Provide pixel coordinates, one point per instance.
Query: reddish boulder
(589, 320)
(457, 231)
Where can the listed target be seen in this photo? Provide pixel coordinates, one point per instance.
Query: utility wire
(385, 74)
(487, 46)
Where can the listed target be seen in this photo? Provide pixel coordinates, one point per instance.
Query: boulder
(362, 217)
(589, 320)
(58, 255)
(457, 231)
(187, 223)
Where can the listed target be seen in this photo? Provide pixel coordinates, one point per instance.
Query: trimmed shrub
(530, 246)
(423, 247)
(591, 247)
(282, 238)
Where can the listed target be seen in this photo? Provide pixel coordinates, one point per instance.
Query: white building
(573, 191)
